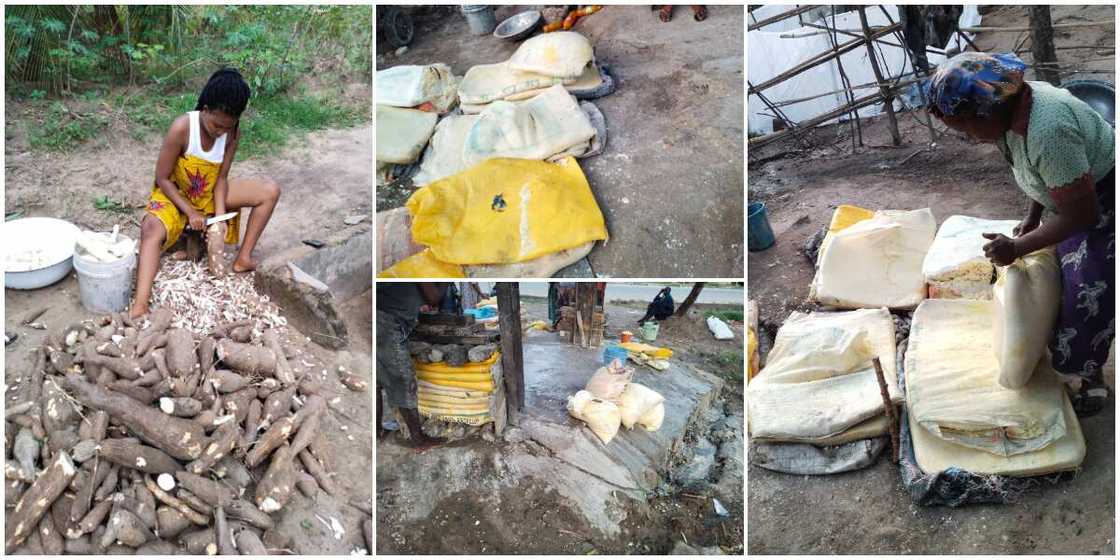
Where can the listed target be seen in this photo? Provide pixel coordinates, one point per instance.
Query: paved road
(636, 292)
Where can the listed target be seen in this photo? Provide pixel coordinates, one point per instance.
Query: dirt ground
(531, 518)
(670, 181)
(326, 177)
(867, 511)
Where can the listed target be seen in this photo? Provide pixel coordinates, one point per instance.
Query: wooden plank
(821, 58)
(779, 17)
(485, 338)
(452, 319)
(447, 330)
(513, 364)
(1021, 29)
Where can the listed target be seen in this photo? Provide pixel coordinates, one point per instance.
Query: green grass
(267, 125)
(726, 314)
(61, 128)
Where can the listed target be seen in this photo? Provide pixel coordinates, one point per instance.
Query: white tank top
(194, 145)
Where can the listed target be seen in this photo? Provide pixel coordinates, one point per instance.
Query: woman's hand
(1026, 225)
(196, 220)
(1002, 250)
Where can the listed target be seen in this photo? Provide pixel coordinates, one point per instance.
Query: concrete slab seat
(309, 284)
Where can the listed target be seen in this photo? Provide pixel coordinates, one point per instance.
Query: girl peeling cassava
(192, 183)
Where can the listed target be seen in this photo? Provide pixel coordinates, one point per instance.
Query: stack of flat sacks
(525, 107)
(469, 141)
(462, 394)
(980, 392)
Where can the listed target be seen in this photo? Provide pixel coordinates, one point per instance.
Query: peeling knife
(222, 218)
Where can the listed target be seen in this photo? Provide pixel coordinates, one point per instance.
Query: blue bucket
(759, 234)
(612, 352)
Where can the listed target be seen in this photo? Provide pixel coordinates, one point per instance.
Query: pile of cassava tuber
(136, 437)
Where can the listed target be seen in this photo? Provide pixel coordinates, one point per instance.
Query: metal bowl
(53, 238)
(518, 27)
(1099, 94)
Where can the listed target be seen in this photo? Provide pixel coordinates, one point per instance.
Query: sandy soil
(670, 182)
(867, 511)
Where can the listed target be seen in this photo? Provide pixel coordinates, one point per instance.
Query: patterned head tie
(976, 79)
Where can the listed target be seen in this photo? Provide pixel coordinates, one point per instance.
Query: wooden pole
(849, 93)
(1042, 44)
(688, 301)
(868, 85)
(1019, 29)
(888, 408)
(779, 17)
(760, 141)
(888, 99)
(513, 364)
(928, 121)
(819, 59)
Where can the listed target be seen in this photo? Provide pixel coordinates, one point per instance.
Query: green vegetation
(107, 204)
(77, 71)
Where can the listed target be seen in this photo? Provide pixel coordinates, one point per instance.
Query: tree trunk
(688, 301)
(1042, 45)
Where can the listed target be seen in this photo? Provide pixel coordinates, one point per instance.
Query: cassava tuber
(180, 438)
(37, 499)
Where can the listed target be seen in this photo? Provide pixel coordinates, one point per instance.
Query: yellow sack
(752, 354)
(422, 265)
(433, 389)
(847, 215)
(506, 211)
(651, 351)
(486, 386)
(454, 406)
(653, 417)
(469, 367)
(432, 397)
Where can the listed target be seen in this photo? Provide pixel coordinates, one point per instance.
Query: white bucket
(105, 287)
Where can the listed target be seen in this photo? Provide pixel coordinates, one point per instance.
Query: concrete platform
(310, 284)
(549, 449)
(554, 370)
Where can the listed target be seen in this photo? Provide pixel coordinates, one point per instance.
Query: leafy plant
(106, 204)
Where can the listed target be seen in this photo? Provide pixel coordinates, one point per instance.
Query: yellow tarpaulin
(506, 211)
(651, 351)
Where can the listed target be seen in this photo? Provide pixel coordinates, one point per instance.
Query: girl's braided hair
(226, 91)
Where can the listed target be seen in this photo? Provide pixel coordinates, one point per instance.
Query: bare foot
(666, 13)
(244, 265)
(138, 309)
(699, 13)
(424, 443)
(180, 255)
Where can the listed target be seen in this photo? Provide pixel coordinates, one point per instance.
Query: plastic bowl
(51, 238)
(1099, 94)
(518, 27)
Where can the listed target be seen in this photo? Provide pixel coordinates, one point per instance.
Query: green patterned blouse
(1058, 146)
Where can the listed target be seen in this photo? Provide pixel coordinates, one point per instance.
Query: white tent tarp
(777, 48)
